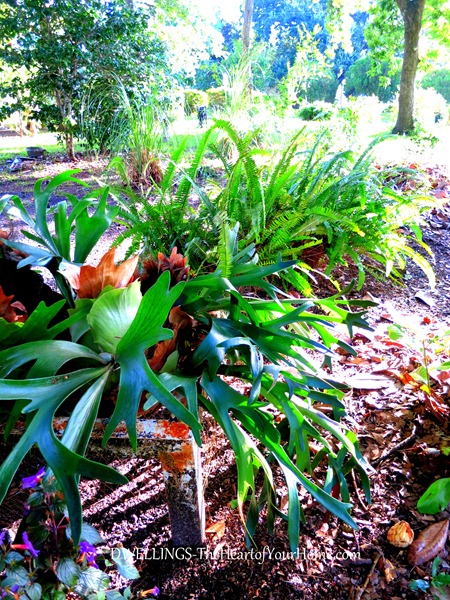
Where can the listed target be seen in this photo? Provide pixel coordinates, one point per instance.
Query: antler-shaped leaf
(259, 424)
(56, 247)
(37, 326)
(46, 395)
(136, 376)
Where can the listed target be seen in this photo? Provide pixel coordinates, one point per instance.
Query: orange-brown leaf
(8, 308)
(390, 572)
(428, 543)
(179, 320)
(89, 281)
(5, 301)
(217, 528)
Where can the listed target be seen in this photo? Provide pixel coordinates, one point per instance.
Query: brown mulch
(333, 562)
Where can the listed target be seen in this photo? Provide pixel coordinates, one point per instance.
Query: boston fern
(301, 198)
(194, 337)
(285, 202)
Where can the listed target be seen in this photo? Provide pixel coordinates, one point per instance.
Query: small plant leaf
(125, 563)
(419, 585)
(436, 498)
(34, 591)
(68, 572)
(18, 574)
(92, 580)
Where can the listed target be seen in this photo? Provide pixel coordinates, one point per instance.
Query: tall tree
(64, 44)
(395, 28)
(412, 13)
(246, 32)
(246, 29)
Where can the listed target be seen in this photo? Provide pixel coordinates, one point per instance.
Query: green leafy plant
(55, 249)
(166, 218)
(303, 198)
(436, 498)
(439, 580)
(190, 337)
(44, 562)
(134, 128)
(285, 203)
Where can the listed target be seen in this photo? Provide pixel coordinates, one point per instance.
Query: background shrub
(218, 97)
(368, 109)
(439, 81)
(319, 111)
(360, 83)
(193, 99)
(323, 88)
(429, 108)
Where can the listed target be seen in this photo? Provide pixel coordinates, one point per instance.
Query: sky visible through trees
(228, 10)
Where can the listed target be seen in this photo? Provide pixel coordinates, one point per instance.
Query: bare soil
(333, 562)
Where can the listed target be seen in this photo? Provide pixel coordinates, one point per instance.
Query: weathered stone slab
(172, 443)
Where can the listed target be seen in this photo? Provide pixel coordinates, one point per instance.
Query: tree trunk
(69, 146)
(246, 30)
(412, 12)
(248, 18)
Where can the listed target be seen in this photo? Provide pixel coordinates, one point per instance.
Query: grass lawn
(11, 147)
(394, 149)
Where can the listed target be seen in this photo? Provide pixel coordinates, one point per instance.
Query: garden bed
(333, 561)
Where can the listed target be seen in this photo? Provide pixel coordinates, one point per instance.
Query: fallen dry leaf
(428, 543)
(390, 572)
(368, 381)
(217, 528)
(88, 281)
(425, 297)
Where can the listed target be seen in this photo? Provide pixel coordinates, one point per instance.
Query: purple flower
(13, 589)
(2, 537)
(154, 591)
(27, 545)
(30, 482)
(90, 552)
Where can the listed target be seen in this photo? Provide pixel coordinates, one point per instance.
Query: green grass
(10, 147)
(396, 149)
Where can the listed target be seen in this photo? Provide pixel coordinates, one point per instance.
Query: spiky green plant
(125, 123)
(265, 340)
(285, 202)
